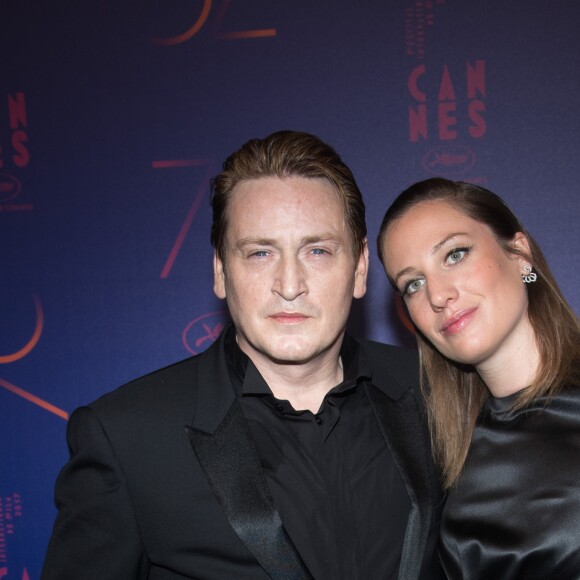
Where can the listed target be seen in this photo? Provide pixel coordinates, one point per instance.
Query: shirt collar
(248, 381)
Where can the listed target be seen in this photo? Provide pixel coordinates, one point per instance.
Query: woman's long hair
(454, 393)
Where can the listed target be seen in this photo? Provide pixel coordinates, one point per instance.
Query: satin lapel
(230, 462)
(404, 432)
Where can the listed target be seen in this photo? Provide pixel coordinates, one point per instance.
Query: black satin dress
(515, 512)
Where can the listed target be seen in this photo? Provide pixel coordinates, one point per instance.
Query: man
(287, 450)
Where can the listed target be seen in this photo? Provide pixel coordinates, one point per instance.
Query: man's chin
(292, 352)
(285, 350)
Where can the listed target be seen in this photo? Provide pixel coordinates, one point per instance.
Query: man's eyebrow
(324, 237)
(241, 243)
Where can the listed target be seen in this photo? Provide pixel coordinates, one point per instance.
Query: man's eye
(259, 254)
(319, 251)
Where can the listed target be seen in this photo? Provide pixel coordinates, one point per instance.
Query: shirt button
(280, 407)
(318, 420)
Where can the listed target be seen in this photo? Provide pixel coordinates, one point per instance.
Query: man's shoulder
(381, 349)
(391, 363)
(390, 355)
(170, 386)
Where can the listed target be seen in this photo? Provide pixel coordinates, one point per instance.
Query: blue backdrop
(113, 116)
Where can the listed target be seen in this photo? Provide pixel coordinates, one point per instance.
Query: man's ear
(361, 272)
(219, 282)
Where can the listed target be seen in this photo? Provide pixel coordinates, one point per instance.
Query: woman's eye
(456, 255)
(413, 286)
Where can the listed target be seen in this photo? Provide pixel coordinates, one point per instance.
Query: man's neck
(304, 385)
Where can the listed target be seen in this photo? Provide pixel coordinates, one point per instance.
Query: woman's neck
(514, 367)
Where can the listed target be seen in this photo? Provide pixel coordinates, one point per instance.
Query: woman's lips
(458, 321)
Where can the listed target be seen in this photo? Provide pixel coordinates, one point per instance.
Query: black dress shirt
(331, 474)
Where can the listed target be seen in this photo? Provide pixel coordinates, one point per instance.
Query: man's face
(289, 273)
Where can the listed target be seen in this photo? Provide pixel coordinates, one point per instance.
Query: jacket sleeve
(95, 534)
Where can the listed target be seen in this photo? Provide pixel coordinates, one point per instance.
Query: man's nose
(290, 278)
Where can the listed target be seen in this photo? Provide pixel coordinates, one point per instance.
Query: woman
(500, 348)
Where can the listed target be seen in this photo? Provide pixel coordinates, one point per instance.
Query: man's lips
(458, 321)
(288, 317)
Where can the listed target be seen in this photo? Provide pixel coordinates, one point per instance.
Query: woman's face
(462, 289)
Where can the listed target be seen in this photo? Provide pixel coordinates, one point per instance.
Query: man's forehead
(250, 199)
(276, 181)
(272, 192)
(270, 203)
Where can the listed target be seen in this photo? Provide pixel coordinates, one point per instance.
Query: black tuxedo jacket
(164, 480)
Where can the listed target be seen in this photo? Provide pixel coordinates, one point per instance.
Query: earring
(529, 276)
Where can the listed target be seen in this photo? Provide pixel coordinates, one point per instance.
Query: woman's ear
(520, 242)
(522, 245)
